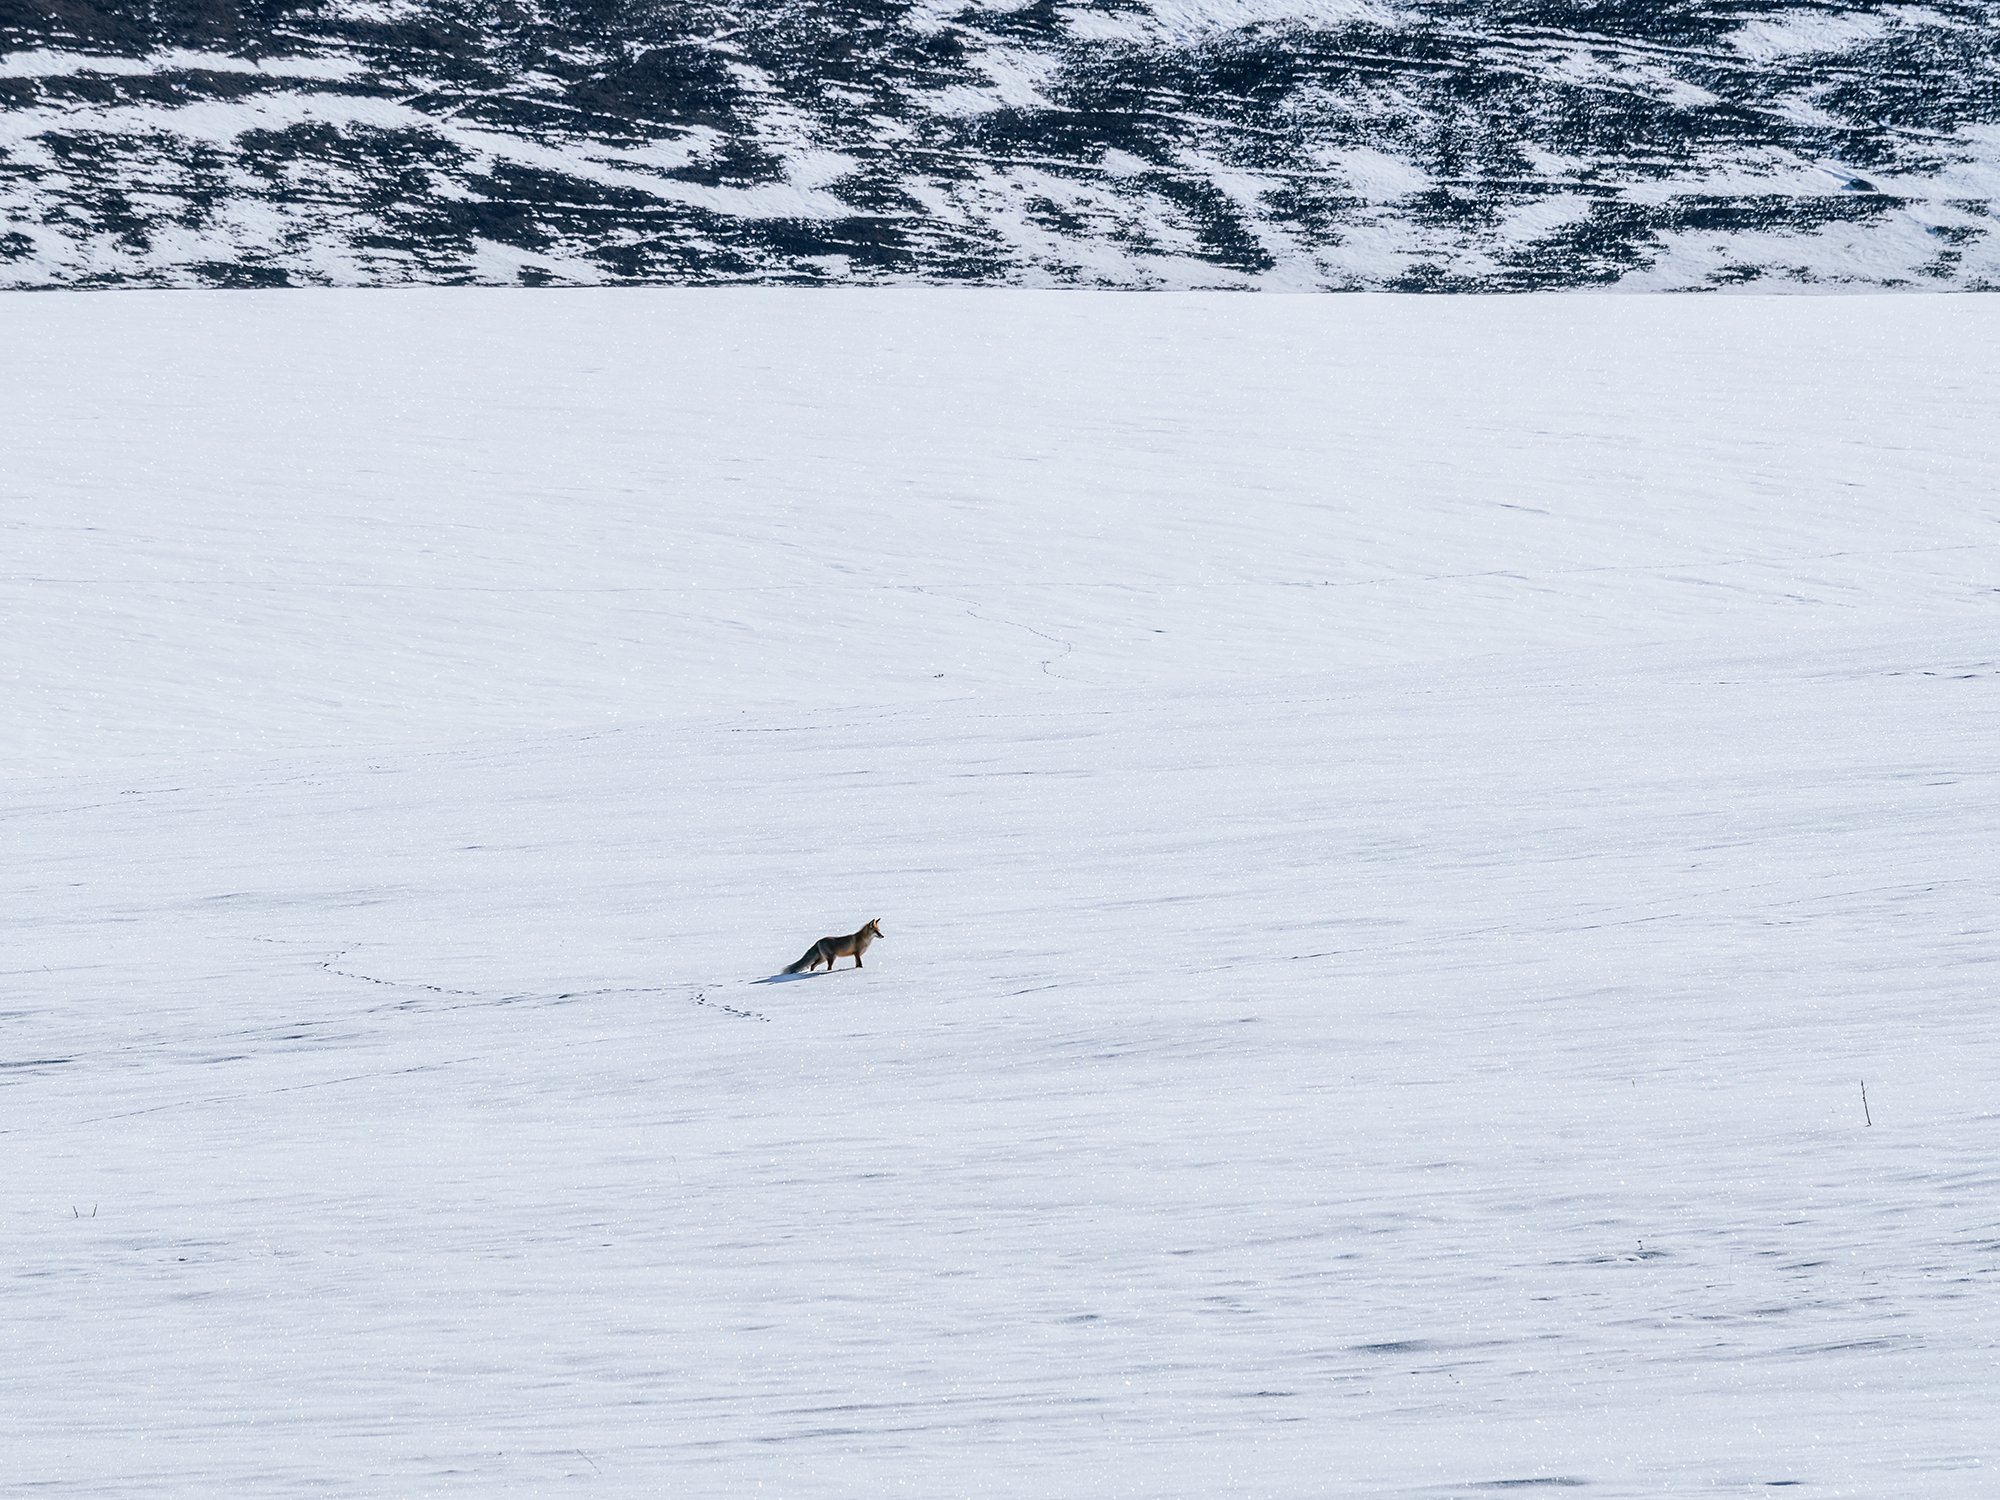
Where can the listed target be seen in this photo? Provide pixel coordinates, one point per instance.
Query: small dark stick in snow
(1864, 1104)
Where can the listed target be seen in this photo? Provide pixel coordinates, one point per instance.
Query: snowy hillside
(1429, 145)
(1402, 827)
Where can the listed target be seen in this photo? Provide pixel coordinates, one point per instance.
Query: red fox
(827, 949)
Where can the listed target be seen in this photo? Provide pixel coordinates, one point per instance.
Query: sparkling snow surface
(1402, 827)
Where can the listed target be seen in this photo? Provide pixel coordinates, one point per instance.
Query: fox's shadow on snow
(794, 978)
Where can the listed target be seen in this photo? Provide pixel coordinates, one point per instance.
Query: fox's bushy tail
(805, 960)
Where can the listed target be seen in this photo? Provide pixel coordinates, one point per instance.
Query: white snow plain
(1402, 828)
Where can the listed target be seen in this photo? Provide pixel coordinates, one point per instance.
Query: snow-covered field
(1402, 827)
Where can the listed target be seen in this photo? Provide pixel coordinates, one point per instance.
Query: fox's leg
(857, 960)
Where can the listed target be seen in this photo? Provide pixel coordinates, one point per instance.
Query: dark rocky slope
(1447, 144)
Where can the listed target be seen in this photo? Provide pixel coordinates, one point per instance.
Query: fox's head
(874, 927)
